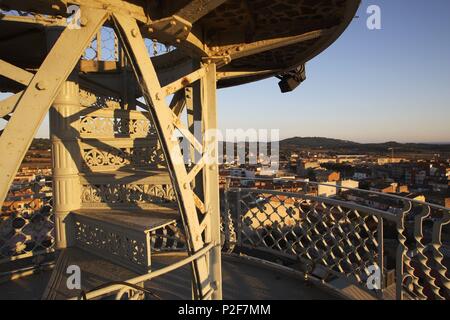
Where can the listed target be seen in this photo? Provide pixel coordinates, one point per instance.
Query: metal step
(127, 176)
(127, 189)
(122, 236)
(94, 271)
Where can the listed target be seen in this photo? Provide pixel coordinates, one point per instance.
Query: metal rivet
(41, 85)
(185, 28)
(84, 21)
(178, 40)
(151, 30)
(185, 185)
(173, 22)
(134, 32)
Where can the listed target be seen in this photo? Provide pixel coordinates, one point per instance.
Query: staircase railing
(130, 289)
(400, 252)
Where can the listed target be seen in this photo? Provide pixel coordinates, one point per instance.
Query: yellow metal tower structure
(117, 105)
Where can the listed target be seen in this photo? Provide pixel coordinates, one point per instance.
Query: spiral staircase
(124, 83)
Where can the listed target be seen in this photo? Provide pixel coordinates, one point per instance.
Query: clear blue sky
(369, 86)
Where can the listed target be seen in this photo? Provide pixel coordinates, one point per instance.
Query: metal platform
(249, 40)
(241, 280)
(141, 221)
(122, 236)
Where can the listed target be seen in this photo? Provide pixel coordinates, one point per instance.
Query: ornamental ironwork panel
(97, 126)
(117, 194)
(109, 158)
(127, 247)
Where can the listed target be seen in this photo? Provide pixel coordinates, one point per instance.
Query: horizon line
(317, 137)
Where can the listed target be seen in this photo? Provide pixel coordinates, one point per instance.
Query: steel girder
(30, 106)
(201, 216)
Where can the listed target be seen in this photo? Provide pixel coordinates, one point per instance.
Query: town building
(336, 187)
(383, 161)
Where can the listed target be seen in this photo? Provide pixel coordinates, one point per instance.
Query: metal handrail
(147, 277)
(388, 215)
(387, 195)
(419, 274)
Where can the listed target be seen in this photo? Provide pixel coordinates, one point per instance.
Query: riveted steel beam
(14, 73)
(196, 9)
(7, 105)
(40, 94)
(179, 84)
(163, 118)
(248, 49)
(211, 174)
(178, 102)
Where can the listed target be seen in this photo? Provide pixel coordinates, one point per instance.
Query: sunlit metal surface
(116, 77)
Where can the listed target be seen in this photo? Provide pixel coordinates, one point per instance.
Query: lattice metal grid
(104, 47)
(412, 238)
(343, 240)
(26, 228)
(109, 47)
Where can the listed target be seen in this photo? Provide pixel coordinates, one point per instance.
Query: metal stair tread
(95, 271)
(139, 220)
(128, 176)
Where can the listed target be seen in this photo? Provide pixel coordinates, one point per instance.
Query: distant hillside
(350, 146)
(316, 142)
(298, 143)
